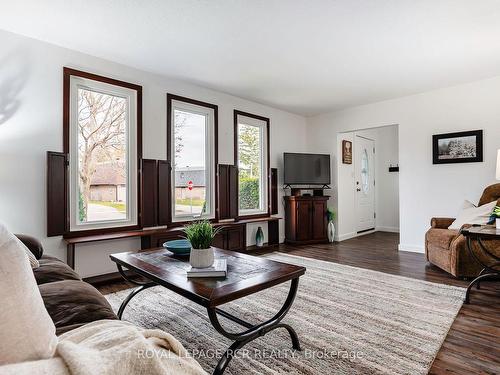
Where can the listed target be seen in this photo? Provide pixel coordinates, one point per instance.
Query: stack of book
(218, 269)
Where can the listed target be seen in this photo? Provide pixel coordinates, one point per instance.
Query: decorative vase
(331, 231)
(259, 237)
(201, 258)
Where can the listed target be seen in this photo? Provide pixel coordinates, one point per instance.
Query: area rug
(349, 321)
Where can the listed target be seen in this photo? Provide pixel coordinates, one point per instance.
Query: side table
(487, 256)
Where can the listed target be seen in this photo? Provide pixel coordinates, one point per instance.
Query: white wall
(426, 190)
(386, 190)
(387, 183)
(31, 124)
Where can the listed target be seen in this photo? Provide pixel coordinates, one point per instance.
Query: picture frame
(458, 147)
(346, 152)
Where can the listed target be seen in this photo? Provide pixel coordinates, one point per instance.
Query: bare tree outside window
(102, 147)
(179, 123)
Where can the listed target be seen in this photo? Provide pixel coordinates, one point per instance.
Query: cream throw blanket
(109, 347)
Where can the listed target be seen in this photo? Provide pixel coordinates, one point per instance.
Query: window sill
(255, 215)
(83, 237)
(92, 232)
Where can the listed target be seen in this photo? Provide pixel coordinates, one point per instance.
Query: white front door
(365, 183)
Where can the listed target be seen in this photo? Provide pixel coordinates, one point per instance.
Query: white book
(218, 269)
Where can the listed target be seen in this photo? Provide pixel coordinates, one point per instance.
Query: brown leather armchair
(447, 248)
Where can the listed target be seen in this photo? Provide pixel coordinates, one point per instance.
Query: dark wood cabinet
(319, 221)
(305, 219)
(219, 240)
(235, 238)
(229, 238)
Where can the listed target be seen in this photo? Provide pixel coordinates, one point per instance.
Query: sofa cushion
(74, 302)
(52, 269)
(441, 238)
(27, 332)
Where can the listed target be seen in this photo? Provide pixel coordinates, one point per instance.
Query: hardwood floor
(473, 342)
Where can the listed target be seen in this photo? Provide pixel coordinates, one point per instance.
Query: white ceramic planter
(201, 258)
(498, 223)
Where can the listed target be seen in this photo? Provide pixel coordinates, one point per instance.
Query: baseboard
(388, 229)
(346, 236)
(411, 248)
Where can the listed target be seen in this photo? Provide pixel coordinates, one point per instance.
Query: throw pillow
(473, 215)
(27, 331)
(467, 204)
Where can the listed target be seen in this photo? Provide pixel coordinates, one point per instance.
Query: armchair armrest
(34, 245)
(441, 222)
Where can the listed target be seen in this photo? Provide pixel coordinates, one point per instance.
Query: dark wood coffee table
(489, 259)
(246, 275)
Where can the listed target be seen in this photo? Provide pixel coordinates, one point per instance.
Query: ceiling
(303, 56)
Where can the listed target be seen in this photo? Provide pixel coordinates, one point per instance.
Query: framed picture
(347, 152)
(461, 147)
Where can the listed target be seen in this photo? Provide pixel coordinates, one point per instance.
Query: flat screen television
(306, 169)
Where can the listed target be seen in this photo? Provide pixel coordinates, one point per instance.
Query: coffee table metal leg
(142, 286)
(488, 272)
(478, 279)
(478, 285)
(130, 296)
(253, 331)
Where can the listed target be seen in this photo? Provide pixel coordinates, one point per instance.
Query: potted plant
(496, 215)
(201, 234)
(330, 215)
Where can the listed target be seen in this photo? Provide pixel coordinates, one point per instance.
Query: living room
(306, 150)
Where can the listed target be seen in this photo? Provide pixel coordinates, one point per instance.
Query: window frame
(134, 166)
(266, 158)
(214, 187)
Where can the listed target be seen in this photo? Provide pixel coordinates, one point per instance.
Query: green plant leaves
(201, 234)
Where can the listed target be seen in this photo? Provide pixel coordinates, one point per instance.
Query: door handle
(358, 189)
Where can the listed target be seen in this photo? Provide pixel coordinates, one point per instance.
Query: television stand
(305, 219)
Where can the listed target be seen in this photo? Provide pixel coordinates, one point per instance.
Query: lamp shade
(498, 165)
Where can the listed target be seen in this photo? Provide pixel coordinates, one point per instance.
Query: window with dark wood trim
(102, 139)
(192, 151)
(251, 155)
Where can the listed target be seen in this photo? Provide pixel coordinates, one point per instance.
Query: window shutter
(57, 179)
(223, 192)
(164, 214)
(228, 191)
(149, 191)
(274, 191)
(233, 191)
